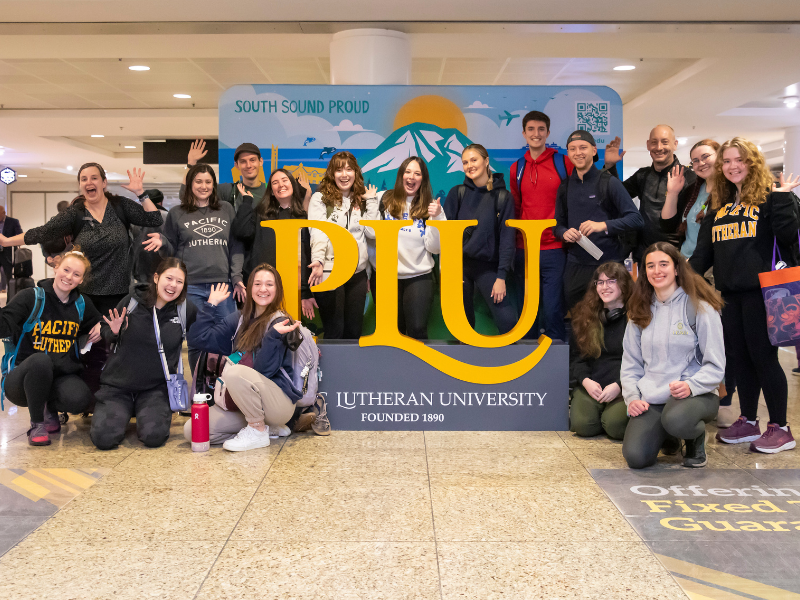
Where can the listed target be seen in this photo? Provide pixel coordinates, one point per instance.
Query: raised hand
(219, 293)
(675, 180)
(316, 274)
(153, 243)
(435, 208)
(196, 152)
(372, 192)
(308, 306)
(135, 184)
(284, 327)
(115, 320)
(302, 179)
(784, 184)
(243, 190)
(613, 155)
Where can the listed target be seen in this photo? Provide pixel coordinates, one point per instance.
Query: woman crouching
(259, 383)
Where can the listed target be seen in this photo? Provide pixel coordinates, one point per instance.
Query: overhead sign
(8, 176)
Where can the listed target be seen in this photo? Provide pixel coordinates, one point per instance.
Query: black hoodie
(135, 364)
(58, 330)
(487, 242)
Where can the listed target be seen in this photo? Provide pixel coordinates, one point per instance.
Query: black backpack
(499, 204)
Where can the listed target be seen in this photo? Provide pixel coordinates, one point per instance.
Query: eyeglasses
(704, 158)
(602, 282)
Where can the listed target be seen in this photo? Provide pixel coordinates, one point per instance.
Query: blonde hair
(483, 154)
(77, 255)
(756, 185)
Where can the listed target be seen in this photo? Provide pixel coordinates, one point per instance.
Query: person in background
(133, 383)
(673, 359)
(489, 247)
(411, 198)
(46, 376)
(598, 328)
(260, 380)
(341, 198)
(534, 183)
(248, 161)
(747, 216)
(198, 232)
(649, 184)
(99, 222)
(593, 204)
(9, 227)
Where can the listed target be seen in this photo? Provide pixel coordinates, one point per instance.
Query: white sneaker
(248, 438)
(276, 431)
(726, 417)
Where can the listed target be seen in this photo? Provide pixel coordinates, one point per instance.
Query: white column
(791, 151)
(370, 57)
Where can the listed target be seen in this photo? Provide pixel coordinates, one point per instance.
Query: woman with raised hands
(258, 377)
(343, 199)
(44, 373)
(133, 383)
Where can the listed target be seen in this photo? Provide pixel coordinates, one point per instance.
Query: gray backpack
(305, 366)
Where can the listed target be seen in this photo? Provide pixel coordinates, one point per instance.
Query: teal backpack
(10, 357)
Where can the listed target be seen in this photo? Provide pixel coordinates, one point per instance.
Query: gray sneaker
(52, 422)
(321, 425)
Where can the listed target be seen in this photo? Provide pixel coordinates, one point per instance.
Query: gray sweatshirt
(669, 350)
(202, 239)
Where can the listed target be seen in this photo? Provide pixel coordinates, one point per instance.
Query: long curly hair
(588, 315)
(253, 328)
(697, 288)
(331, 194)
(756, 185)
(394, 200)
(269, 206)
(188, 200)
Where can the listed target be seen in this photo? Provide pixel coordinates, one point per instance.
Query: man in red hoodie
(535, 178)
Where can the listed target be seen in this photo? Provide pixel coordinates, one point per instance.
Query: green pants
(588, 417)
(684, 419)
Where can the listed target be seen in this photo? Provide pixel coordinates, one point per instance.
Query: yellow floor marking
(698, 591)
(32, 487)
(52, 481)
(6, 478)
(739, 584)
(72, 477)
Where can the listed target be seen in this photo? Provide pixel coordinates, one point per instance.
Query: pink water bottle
(200, 441)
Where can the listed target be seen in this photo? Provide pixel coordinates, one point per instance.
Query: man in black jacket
(649, 184)
(8, 227)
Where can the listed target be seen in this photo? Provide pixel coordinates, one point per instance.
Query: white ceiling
(64, 75)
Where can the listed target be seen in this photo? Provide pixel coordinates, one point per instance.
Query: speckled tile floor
(378, 515)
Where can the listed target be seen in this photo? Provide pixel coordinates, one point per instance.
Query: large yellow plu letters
(386, 332)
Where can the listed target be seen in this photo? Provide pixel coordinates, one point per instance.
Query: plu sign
(451, 261)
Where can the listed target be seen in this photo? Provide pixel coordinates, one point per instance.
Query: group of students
(646, 357)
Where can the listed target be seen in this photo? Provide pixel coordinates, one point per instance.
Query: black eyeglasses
(602, 282)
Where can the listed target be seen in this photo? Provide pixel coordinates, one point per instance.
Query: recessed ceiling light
(130, 147)
(97, 135)
(69, 168)
(18, 175)
(181, 96)
(682, 140)
(624, 68)
(2, 151)
(139, 68)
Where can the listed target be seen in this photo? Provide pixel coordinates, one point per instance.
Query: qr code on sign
(593, 116)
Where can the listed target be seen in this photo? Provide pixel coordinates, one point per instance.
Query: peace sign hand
(116, 320)
(135, 184)
(196, 152)
(435, 208)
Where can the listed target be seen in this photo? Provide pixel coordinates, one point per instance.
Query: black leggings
(342, 309)
(414, 300)
(95, 359)
(33, 383)
(483, 274)
(754, 359)
(114, 410)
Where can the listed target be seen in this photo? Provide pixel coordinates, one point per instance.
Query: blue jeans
(197, 294)
(550, 316)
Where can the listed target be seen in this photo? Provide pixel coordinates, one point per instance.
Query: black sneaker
(671, 446)
(796, 372)
(695, 455)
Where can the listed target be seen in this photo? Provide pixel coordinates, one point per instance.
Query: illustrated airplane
(327, 151)
(508, 117)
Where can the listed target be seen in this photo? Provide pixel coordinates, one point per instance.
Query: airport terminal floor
(394, 515)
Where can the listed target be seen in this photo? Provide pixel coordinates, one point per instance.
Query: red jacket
(537, 199)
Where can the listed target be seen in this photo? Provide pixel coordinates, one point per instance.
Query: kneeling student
(674, 358)
(260, 380)
(133, 382)
(598, 327)
(45, 323)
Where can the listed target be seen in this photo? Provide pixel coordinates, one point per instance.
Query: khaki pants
(259, 399)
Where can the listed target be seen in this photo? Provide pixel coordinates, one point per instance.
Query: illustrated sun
(434, 110)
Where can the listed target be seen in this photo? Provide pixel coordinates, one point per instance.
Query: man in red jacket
(535, 178)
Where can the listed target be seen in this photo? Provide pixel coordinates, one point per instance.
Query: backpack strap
(382, 209)
(520, 170)
(27, 327)
(182, 317)
(559, 161)
(80, 304)
(500, 204)
(602, 191)
(462, 190)
(691, 315)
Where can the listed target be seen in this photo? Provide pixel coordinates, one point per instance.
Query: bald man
(8, 226)
(649, 184)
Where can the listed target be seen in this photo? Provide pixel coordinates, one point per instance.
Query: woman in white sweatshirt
(412, 199)
(342, 199)
(673, 359)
